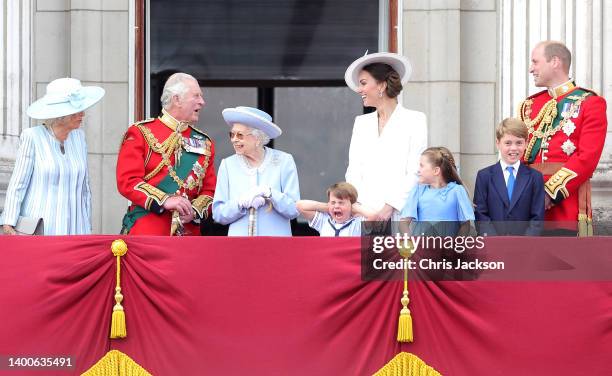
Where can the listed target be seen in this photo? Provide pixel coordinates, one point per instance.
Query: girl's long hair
(439, 156)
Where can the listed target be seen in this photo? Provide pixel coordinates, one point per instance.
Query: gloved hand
(244, 202)
(257, 202)
(263, 191)
(247, 199)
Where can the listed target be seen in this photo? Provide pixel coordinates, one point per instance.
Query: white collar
(516, 165)
(269, 157)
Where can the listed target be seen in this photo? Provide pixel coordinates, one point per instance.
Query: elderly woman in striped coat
(51, 179)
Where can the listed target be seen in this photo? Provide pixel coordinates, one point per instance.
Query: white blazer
(383, 167)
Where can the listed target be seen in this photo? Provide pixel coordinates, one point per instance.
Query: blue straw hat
(64, 96)
(252, 117)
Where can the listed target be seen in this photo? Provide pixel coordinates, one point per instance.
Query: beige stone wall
(88, 40)
(471, 61)
(582, 26)
(453, 48)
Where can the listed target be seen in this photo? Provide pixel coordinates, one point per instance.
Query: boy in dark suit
(509, 196)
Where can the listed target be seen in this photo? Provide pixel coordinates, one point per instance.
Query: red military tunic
(147, 174)
(566, 138)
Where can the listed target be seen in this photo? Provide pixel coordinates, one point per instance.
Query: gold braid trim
(546, 129)
(558, 181)
(166, 149)
(152, 193)
(544, 118)
(116, 363)
(407, 364)
(201, 204)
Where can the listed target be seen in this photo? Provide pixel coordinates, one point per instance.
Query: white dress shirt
(504, 167)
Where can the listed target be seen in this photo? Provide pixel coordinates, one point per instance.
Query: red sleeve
(582, 163)
(131, 172)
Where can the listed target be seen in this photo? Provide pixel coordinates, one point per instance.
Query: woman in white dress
(51, 179)
(386, 144)
(256, 177)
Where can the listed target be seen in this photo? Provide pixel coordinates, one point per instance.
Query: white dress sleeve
(353, 171)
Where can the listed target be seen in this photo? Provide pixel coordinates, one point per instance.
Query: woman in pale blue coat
(51, 179)
(256, 177)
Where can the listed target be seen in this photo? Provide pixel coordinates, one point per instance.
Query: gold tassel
(404, 327)
(583, 227)
(118, 328)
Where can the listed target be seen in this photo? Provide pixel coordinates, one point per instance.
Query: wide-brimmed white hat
(252, 117)
(399, 63)
(64, 96)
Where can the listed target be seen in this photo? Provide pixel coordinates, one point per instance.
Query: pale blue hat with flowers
(252, 117)
(64, 96)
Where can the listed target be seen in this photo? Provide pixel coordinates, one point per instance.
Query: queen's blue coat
(235, 177)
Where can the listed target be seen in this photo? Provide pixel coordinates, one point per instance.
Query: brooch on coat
(198, 170)
(569, 127)
(568, 147)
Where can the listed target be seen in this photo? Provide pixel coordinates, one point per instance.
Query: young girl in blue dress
(439, 197)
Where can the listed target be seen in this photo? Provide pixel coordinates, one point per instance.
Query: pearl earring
(380, 94)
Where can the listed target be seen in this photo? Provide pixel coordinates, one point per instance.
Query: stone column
(471, 61)
(99, 56)
(14, 82)
(85, 39)
(453, 49)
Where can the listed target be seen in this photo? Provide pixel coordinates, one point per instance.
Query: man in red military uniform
(166, 166)
(567, 129)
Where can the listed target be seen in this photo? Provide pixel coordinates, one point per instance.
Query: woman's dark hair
(384, 73)
(439, 156)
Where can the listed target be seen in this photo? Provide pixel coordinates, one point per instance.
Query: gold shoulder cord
(545, 117)
(166, 149)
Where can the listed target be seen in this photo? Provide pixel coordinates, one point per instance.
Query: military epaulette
(537, 94)
(149, 120)
(589, 91)
(200, 132)
(126, 136)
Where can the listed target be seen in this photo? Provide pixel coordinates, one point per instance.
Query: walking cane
(252, 222)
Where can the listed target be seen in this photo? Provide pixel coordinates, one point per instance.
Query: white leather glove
(263, 191)
(257, 202)
(244, 202)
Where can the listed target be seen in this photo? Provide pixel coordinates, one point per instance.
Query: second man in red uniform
(567, 129)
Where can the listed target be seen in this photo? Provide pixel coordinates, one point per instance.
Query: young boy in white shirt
(341, 215)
